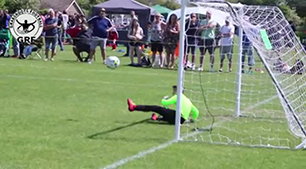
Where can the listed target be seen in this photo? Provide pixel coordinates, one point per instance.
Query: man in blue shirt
(101, 25)
(51, 34)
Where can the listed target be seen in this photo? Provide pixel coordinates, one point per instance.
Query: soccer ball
(112, 62)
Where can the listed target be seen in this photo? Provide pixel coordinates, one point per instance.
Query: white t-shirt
(65, 21)
(227, 41)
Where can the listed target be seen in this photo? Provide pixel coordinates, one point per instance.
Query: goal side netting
(261, 103)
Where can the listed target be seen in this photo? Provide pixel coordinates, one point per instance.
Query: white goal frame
(180, 80)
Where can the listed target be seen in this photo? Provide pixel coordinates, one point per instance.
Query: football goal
(259, 100)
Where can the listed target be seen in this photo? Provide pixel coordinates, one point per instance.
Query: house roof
(126, 4)
(60, 5)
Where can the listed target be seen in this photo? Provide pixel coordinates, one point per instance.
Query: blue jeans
(16, 47)
(60, 41)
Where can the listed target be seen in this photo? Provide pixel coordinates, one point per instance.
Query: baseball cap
(103, 10)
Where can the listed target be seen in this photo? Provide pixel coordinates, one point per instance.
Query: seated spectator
(29, 48)
(82, 42)
(3, 47)
(73, 32)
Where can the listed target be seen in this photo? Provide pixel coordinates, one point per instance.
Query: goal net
(261, 103)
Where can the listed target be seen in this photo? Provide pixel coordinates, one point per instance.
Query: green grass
(48, 111)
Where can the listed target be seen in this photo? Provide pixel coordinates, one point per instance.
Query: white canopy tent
(217, 15)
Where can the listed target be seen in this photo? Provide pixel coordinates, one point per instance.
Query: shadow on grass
(94, 136)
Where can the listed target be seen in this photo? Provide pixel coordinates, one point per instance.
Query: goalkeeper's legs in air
(168, 115)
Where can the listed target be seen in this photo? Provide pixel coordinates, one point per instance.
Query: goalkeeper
(168, 115)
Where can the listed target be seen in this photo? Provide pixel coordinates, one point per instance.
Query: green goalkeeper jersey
(186, 108)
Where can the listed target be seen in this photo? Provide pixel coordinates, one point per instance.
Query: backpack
(145, 61)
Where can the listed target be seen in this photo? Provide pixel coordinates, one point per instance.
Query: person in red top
(113, 36)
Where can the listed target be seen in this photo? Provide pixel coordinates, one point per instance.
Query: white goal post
(264, 109)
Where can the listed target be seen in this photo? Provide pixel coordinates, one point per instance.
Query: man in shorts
(227, 35)
(207, 42)
(101, 25)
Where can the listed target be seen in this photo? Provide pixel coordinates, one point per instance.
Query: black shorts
(191, 45)
(168, 115)
(83, 47)
(135, 44)
(156, 46)
(207, 44)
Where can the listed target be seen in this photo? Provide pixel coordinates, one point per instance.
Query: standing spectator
(59, 29)
(149, 33)
(191, 29)
(3, 19)
(247, 49)
(292, 25)
(207, 42)
(65, 19)
(133, 16)
(51, 34)
(71, 21)
(113, 36)
(135, 34)
(84, 20)
(157, 31)
(100, 26)
(171, 39)
(8, 17)
(227, 35)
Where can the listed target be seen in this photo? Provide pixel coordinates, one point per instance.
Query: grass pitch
(64, 114)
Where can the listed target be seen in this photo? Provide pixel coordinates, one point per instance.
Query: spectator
(149, 26)
(51, 34)
(100, 26)
(247, 49)
(292, 25)
(191, 28)
(82, 42)
(135, 34)
(3, 19)
(158, 27)
(34, 46)
(227, 35)
(113, 36)
(59, 29)
(133, 16)
(71, 21)
(8, 17)
(207, 42)
(65, 19)
(171, 39)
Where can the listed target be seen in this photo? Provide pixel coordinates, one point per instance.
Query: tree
(13, 5)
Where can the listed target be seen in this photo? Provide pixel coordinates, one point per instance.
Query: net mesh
(267, 105)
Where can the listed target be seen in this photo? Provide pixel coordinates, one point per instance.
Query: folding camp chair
(39, 43)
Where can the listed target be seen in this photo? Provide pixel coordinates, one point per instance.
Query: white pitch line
(261, 103)
(151, 150)
(93, 70)
(78, 80)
